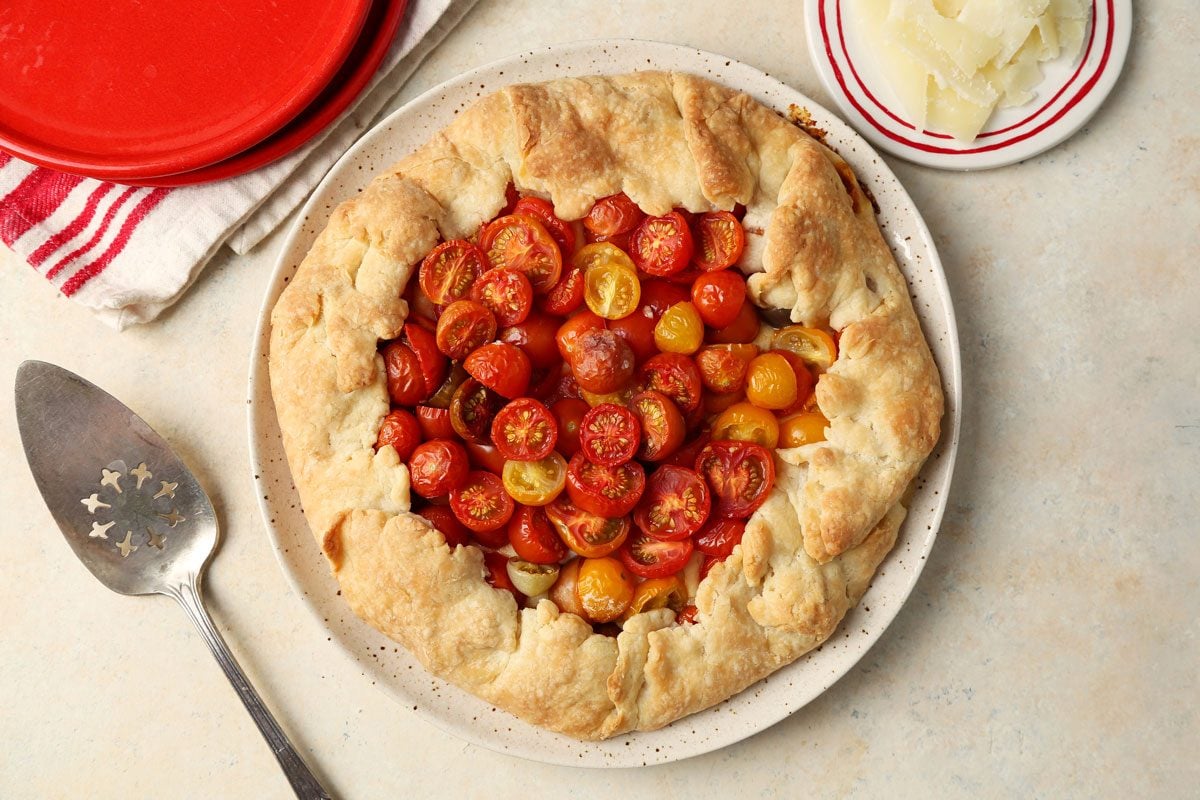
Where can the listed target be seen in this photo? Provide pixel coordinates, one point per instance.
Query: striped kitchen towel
(129, 252)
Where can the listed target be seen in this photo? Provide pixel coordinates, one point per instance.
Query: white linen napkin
(128, 252)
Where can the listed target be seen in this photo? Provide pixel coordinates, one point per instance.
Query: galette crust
(667, 140)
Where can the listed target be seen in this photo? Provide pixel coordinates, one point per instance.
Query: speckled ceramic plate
(383, 662)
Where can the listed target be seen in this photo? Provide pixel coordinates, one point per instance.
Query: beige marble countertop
(1049, 650)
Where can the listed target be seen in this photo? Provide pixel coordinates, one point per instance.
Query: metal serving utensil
(133, 513)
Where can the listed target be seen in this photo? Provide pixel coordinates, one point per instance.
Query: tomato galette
(605, 401)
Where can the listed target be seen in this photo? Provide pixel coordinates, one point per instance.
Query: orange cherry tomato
(607, 491)
(449, 270)
(598, 253)
(463, 326)
(680, 330)
(656, 559)
(604, 587)
(613, 215)
(405, 382)
(533, 538)
(506, 293)
(720, 240)
(524, 430)
(723, 366)
(742, 330)
(771, 382)
(655, 593)
(569, 413)
(662, 245)
(675, 505)
(563, 590)
(535, 483)
(601, 361)
(586, 534)
(741, 475)
(543, 212)
(813, 345)
(502, 367)
(662, 426)
(536, 337)
(745, 422)
(719, 537)
(610, 435)
(401, 430)
(611, 290)
(803, 428)
(573, 328)
(521, 243)
(675, 376)
(481, 502)
(443, 520)
(719, 297)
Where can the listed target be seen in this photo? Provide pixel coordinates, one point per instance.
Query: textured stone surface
(1050, 648)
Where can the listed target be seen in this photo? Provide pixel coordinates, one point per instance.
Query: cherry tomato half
(536, 337)
(607, 491)
(506, 293)
(805, 382)
(720, 240)
(445, 393)
(679, 330)
(432, 363)
(565, 296)
(535, 483)
(472, 410)
(533, 538)
(611, 290)
(496, 565)
(613, 215)
(676, 376)
(771, 382)
(437, 468)
(813, 345)
(662, 426)
(637, 330)
(803, 428)
(543, 212)
(652, 558)
(601, 361)
(463, 326)
(502, 367)
(443, 520)
(569, 413)
(401, 430)
(524, 430)
(587, 534)
(449, 270)
(521, 243)
(405, 383)
(662, 245)
(723, 366)
(655, 593)
(720, 536)
(575, 327)
(486, 456)
(719, 297)
(676, 504)
(604, 588)
(658, 296)
(741, 475)
(609, 435)
(481, 502)
(746, 422)
(434, 422)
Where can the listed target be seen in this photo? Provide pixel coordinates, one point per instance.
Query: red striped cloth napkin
(129, 252)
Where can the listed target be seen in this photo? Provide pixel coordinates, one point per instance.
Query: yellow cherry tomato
(669, 592)
(771, 382)
(679, 330)
(601, 253)
(803, 428)
(535, 483)
(620, 397)
(611, 290)
(604, 588)
(813, 345)
(745, 422)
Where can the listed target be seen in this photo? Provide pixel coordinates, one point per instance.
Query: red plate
(352, 78)
(130, 89)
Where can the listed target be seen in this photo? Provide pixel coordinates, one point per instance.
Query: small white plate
(387, 664)
(1067, 97)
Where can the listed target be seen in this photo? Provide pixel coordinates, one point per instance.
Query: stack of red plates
(175, 92)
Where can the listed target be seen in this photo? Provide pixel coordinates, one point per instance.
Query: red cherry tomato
(569, 413)
(587, 534)
(565, 296)
(741, 475)
(618, 240)
(449, 270)
(601, 361)
(719, 537)
(432, 363)
(524, 430)
(662, 426)
(443, 519)
(401, 431)
(607, 491)
(506, 293)
(637, 330)
(405, 383)
(437, 468)
(543, 212)
(686, 455)
(511, 197)
(742, 330)
(651, 558)
(502, 367)
(723, 366)
(658, 296)
(521, 243)
(496, 565)
(533, 537)
(434, 422)
(662, 245)
(575, 327)
(481, 503)
(613, 215)
(536, 337)
(472, 410)
(719, 297)
(463, 326)
(676, 504)
(609, 435)
(487, 457)
(676, 376)
(720, 240)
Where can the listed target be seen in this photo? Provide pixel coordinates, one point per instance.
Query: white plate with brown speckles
(391, 667)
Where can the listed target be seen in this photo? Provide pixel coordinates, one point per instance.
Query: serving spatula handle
(304, 783)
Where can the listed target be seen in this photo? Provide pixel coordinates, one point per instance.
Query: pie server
(133, 513)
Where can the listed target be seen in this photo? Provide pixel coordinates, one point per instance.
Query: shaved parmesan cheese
(1047, 34)
(906, 76)
(949, 112)
(949, 8)
(919, 43)
(1070, 36)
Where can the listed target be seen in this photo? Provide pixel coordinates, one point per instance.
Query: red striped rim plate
(1066, 98)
